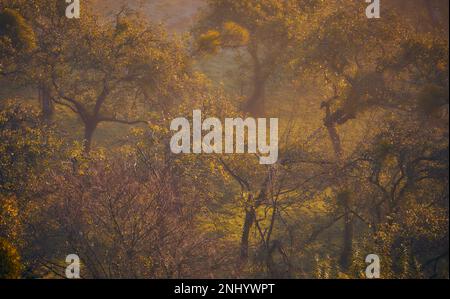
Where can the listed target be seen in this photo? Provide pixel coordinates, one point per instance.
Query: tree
(358, 59)
(29, 152)
(10, 265)
(28, 147)
(16, 38)
(40, 22)
(264, 30)
(402, 166)
(104, 70)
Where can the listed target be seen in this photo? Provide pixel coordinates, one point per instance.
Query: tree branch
(121, 121)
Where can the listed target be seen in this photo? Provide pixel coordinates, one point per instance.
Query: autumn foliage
(86, 166)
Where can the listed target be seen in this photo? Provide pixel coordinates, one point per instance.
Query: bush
(10, 265)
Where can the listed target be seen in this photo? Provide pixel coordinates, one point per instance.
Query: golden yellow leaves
(232, 36)
(209, 42)
(10, 265)
(10, 221)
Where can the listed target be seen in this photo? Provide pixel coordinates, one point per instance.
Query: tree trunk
(335, 140)
(45, 100)
(330, 124)
(89, 130)
(256, 102)
(248, 223)
(347, 248)
(250, 217)
(433, 13)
